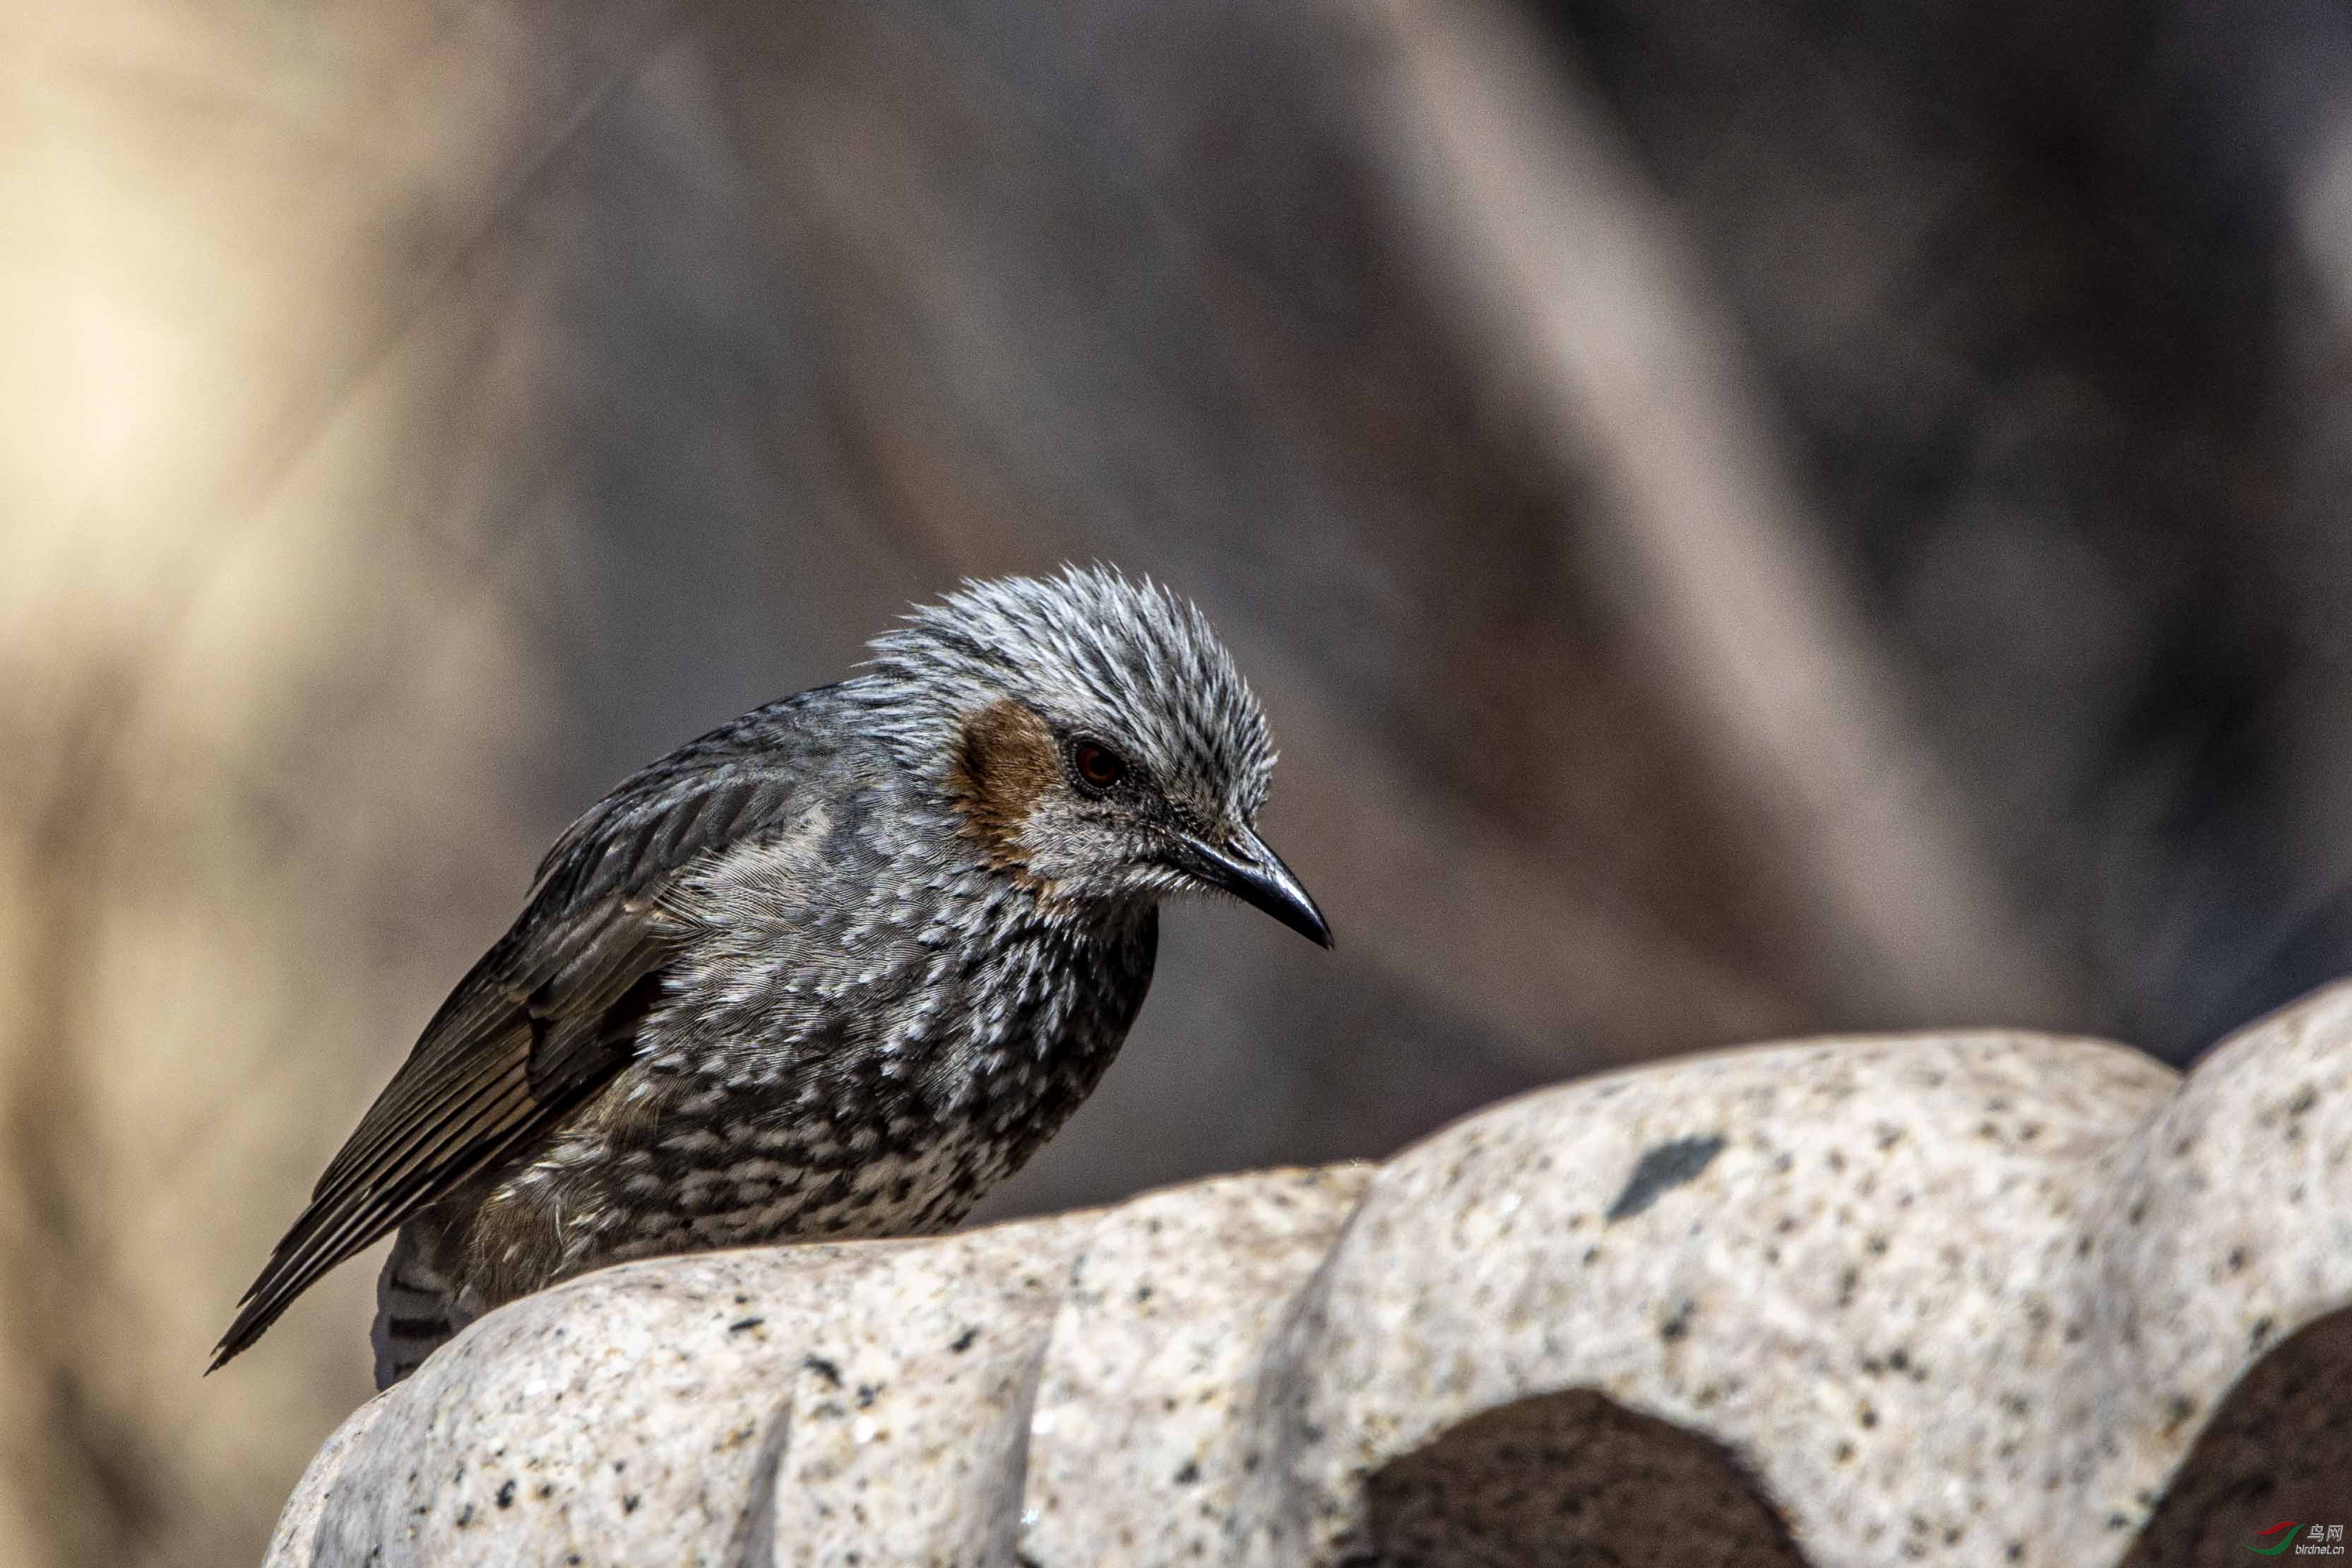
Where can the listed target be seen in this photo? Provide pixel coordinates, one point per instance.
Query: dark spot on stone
(1188, 1474)
(1662, 1168)
(1677, 1326)
(1142, 1294)
(2117, 1522)
(544, 1491)
(1869, 1417)
(1899, 1360)
(2279, 1435)
(629, 1502)
(962, 1341)
(824, 1369)
(866, 1392)
(464, 1516)
(740, 1324)
(2305, 1099)
(1542, 1481)
(2262, 1332)
(506, 1494)
(2015, 1551)
(2237, 1259)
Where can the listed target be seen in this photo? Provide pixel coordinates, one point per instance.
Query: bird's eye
(1098, 765)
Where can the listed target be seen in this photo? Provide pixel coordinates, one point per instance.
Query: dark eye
(1098, 765)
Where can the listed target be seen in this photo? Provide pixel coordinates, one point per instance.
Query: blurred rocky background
(1747, 520)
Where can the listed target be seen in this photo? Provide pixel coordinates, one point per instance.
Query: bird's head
(1092, 736)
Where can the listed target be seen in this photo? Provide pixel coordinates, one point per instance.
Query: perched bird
(834, 970)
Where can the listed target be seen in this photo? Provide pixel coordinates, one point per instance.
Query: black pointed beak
(1255, 874)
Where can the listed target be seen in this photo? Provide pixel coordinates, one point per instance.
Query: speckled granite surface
(1969, 1299)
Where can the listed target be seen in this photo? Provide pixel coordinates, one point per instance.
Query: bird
(829, 972)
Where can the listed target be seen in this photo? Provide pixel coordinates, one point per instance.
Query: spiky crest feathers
(1091, 650)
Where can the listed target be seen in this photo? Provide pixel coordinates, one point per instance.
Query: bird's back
(549, 1015)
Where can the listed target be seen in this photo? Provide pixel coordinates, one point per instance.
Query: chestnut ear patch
(1004, 760)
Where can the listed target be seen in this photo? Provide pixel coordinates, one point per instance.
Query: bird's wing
(546, 1019)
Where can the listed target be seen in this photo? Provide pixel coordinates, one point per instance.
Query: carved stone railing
(1981, 1297)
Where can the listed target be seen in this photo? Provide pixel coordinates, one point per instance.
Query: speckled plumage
(831, 971)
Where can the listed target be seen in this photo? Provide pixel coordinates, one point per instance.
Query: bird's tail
(416, 1310)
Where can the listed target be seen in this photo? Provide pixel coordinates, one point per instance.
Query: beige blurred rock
(1981, 1298)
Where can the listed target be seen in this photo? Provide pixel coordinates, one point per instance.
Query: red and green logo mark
(2288, 1535)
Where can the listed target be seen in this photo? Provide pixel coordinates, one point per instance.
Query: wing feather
(550, 1013)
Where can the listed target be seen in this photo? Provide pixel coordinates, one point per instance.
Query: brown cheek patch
(1005, 762)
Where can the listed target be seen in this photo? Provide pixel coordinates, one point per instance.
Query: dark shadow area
(2279, 1448)
(1571, 1480)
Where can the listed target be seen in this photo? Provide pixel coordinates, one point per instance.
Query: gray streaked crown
(1092, 651)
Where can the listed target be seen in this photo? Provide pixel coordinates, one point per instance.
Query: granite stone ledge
(1985, 1298)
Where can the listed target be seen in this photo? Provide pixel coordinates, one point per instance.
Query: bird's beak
(1255, 874)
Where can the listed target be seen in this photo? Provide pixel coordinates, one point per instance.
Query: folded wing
(543, 1023)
